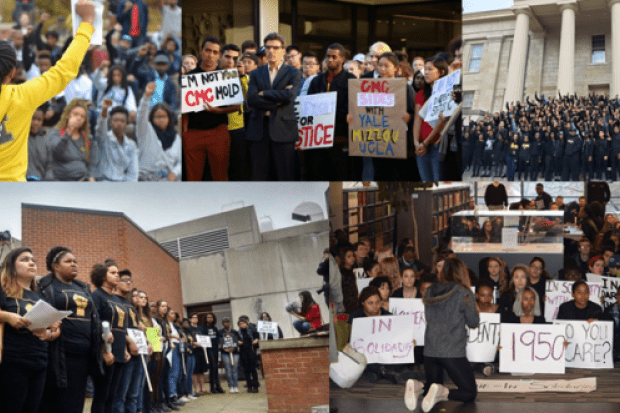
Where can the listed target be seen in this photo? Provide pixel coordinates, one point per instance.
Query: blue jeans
(429, 166)
(186, 387)
(232, 374)
(301, 326)
(174, 372)
(126, 399)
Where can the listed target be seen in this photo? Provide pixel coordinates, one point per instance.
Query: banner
(316, 120)
(558, 292)
(412, 307)
(590, 345)
(531, 348)
(441, 99)
(586, 385)
(610, 287)
(218, 88)
(152, 335)
(139, 339)
(203, 341)
(384, 339)
(268, 327)
(378, 129)
(482, 342)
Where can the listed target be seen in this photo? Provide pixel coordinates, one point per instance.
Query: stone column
(615, 47)
(268, 18)
(516, 68)
(566, 71)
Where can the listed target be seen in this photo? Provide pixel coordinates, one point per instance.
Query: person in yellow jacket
(18, 102)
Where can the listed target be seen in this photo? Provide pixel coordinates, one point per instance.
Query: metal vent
(199, 244)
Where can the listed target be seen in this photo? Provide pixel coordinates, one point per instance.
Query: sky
(156, 205)
(471, 6)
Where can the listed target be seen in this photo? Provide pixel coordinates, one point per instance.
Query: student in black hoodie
(601, 150)
(468, 150)
(524, 158)
(587, 157)
(615, 152)
(536, 156)
(558, 155)
(550, 144)
(247, 340)
(478, 154)
(511, 159)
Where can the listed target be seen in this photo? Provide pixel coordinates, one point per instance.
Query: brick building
(96, 235)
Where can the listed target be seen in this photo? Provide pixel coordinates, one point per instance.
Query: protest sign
(590, 345)
(97, 38)
(203, 341)
(384, 339)
(268, 327)
(316, 120)
(482, 341)
(585, 385)
(558, 292)
(218, 88)
(359, 273)
(531, 348)
(362, 283)
(152, 335)
(229, 342)
(378, 129)
(441, 99)
(139, 339)
(414, 308)
(609, 289)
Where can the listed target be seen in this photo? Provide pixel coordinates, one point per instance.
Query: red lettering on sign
(374, 86)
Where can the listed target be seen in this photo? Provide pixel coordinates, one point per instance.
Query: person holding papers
(24, 357)
(78, 351)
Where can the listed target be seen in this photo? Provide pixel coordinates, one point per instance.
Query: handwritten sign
(378, 130)
(152, 335)
(316, 120)
(609, 289)
(412, 307)
(441, 99)
(139, 339)
(558, 292)
(384, 339)
(585, 385)
(510, 238)
(97, 38)
(268, 327)
(482, 341)
(590, 345)
(217, 88)
(531, 348)
(203, 341)
(230, 342)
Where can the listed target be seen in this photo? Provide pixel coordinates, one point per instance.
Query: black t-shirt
(569, 311)
(113, 309)
(205, 120)
(247, 336)
(76, 329)
(21, 346)
(230, 339)
(212, 332)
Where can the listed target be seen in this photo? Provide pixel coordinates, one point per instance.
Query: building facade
(540, 46)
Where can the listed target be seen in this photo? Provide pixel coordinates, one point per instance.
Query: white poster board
(139, 338)
(218, 88)
(510, 237)
(482, 341)
(203, 341)
(441, 99)
(268, 327)
(97, 38)
(609, 289)
(384, 339)
(590, 345)
(531, 348)
(362, 283)
(560, 291)
(412, 307)
(316, 120)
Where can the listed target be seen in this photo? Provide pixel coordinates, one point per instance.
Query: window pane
(474, 65)
(476, 51)
(598, 56)
(468, 99)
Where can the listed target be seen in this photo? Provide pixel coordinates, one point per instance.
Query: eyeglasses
(536, 267)
(292, 55)
(126, 280)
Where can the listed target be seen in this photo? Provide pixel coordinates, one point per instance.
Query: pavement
(241, 402)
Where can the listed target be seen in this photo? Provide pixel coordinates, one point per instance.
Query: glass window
(598, 49)
(468, 99)
(475, 58)
(321, 18)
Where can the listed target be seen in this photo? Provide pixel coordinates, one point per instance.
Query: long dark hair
(8, 60)
(214, 319)
(306, 302)
(111, 81)
(440, 64)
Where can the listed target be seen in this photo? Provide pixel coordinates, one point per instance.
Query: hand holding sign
(92, 13)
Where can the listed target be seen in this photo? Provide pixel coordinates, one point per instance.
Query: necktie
(135, 21)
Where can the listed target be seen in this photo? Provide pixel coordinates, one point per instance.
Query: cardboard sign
(229, 342)
(586, 385)
(268, 327)
(218, 88)
(152, 335)
(414, 308)
(316, 120)
(203, 341)
(139, 338)
(97, 38)
(558, 292)
(609, 289)
(384, 339)
(482, 342)
(531, 348)
(590, 345)
(441, 99)
(378, 129)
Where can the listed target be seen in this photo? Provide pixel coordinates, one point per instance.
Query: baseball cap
(160, 58)
(359, 57)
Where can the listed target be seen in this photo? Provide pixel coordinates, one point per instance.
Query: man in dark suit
(272, 128)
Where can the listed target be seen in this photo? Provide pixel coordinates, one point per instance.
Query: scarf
(166, 137)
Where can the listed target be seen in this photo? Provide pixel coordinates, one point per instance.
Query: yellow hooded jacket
(18, 103)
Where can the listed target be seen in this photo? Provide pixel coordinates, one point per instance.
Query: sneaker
(184, 399)
(234, 390)
(434, 396)
(413, 391)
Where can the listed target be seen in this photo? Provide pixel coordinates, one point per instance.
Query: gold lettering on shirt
(133, 318)
(81, 304)
(121, 315)
(28, 307)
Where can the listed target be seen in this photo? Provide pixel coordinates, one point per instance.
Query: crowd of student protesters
(256, 140)
(47, 369)
(559, 138)
(117, 120)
